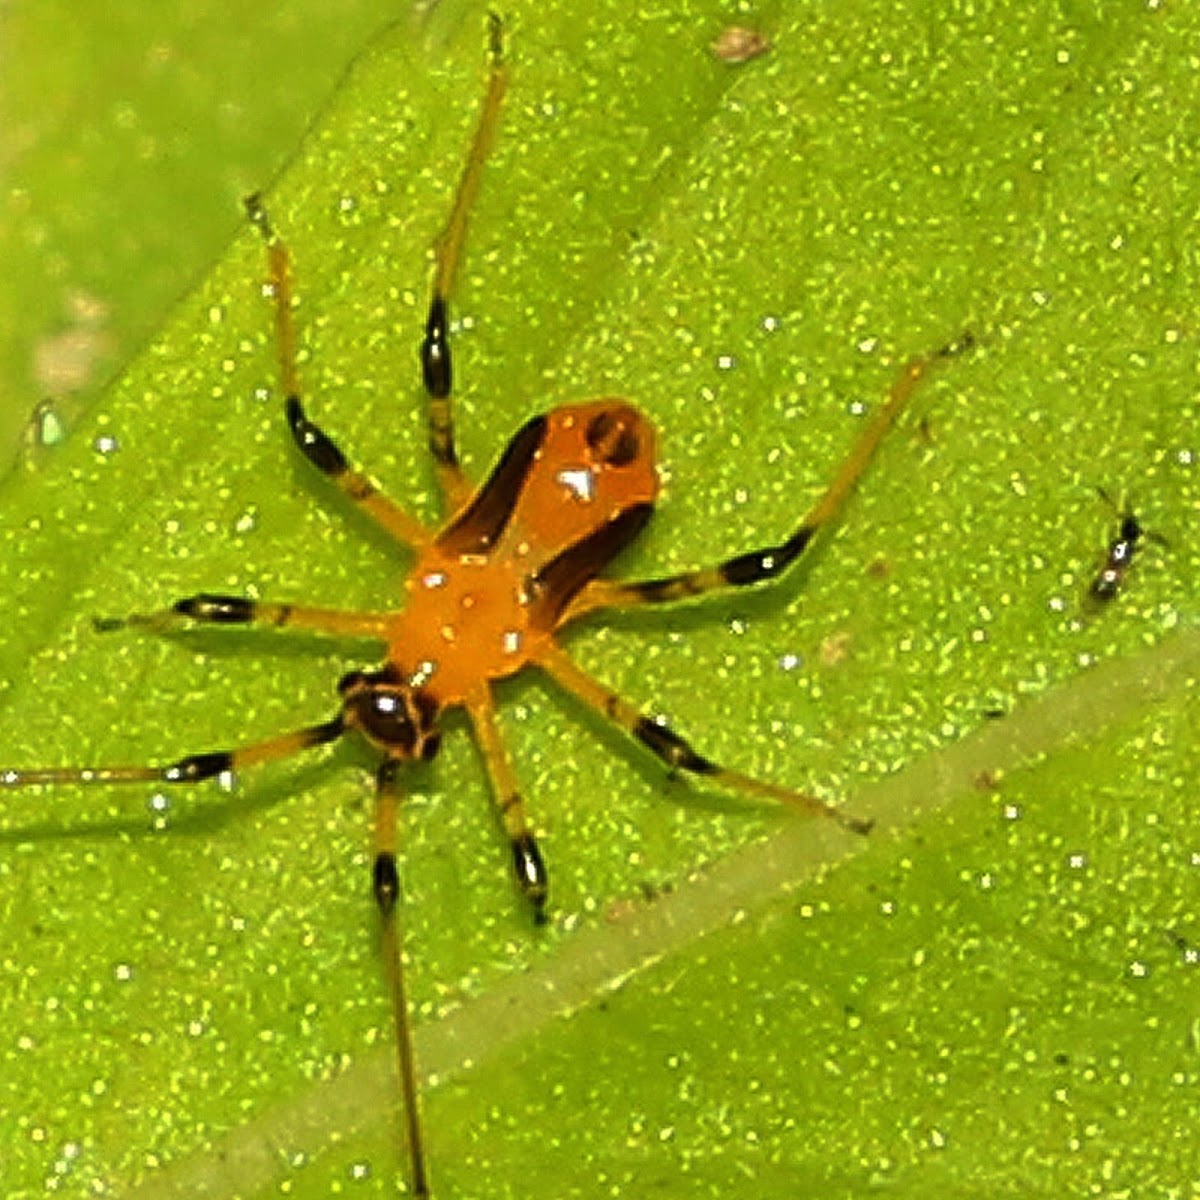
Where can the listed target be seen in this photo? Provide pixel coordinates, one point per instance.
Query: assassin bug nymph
(518, 559)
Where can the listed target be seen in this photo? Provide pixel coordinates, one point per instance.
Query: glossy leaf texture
(990, 994)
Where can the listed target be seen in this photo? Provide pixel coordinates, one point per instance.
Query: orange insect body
(485, 596)
(520, 558)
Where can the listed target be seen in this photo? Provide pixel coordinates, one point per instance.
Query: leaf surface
(990, 994)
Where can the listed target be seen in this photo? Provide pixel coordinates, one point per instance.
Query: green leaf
(992, 994)
(126, 138)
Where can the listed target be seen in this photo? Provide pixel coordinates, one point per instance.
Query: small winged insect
(1110, 578)
(517, 560)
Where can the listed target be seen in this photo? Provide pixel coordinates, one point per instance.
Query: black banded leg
(386, 888)
(673, 750)
(314, 444)
(192, 769)
(436, 369)
(209, 609)
(528, 867)
(759, 565)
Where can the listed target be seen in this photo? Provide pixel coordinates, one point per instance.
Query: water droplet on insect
(106, 443)
(578, 481)
(424, 672)
(726, 362)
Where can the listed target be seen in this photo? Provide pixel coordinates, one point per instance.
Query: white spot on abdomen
(579, 481)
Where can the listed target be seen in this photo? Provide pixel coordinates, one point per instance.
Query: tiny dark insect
(1118, 558)
(518, 559)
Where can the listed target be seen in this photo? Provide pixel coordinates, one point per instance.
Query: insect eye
(386, 720)
(612, 437)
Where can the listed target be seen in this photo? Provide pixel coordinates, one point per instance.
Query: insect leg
(386, 887)
(678, 754)
(314, 443)
(192, 769)
(770, 561)
(209, 609)
(435, 348)
(527, 859)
